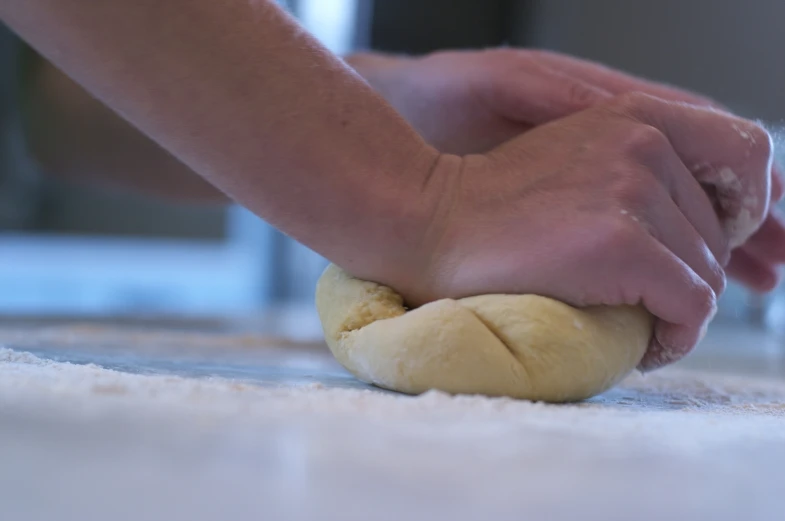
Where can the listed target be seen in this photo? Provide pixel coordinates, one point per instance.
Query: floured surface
(25, 376)
(86, 442)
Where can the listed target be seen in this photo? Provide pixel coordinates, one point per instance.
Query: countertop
(210, 419)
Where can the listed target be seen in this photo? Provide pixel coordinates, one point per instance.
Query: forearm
(243, 96)
(72, 135)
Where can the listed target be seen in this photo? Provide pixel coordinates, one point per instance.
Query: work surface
(181, 421)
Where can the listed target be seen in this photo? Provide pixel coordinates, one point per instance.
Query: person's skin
(460, 102)
(599, 207)
(472, 101)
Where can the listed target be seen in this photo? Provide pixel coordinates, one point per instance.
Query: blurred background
(70, 248)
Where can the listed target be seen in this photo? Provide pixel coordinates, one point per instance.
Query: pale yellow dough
(523, 346)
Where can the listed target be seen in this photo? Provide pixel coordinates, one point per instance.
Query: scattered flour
(684, 405)
(92, 441)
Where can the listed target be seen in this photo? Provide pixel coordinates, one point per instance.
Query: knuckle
(717, 279)
(754, 143)
(760, 140)
(632, 102)
(617, 235)
(646, 140)
(710, 268)
(580, 94)
(634, 192)
(722, 282)
(704, 302)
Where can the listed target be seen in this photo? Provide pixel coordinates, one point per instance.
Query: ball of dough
(522, 346)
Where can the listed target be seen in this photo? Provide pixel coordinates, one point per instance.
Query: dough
(522, 346)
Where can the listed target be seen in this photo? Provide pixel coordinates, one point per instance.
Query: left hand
(466, 102)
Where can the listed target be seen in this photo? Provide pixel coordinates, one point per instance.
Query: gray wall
(733, 50)
(18, 182)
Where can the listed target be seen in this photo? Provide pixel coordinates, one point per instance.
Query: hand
(599, 208)
(466, 102)
(472, 101)
(753, 263)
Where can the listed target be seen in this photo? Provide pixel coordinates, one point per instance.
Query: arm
(596, 208)
(242, 95)
(73, 135)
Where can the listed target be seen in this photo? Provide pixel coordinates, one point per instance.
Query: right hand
(601, 207)
(472, 101)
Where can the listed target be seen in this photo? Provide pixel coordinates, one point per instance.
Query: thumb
(539, 95)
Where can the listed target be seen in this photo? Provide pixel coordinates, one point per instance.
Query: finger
(751, 272)
(666, 223)
(685, 211)
(680, 299)
(682, 218)
(768, 243)
(535, 95)
(730, 154)
(617, 82)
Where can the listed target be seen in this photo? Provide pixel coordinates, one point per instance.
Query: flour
(92, 441)
(738, 221)
(744, 134)
(692, 402)
(22, 357)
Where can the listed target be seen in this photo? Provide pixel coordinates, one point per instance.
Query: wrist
(390, 210)
(403, 254)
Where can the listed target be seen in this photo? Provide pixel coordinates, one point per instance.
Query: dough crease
(521, 346)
